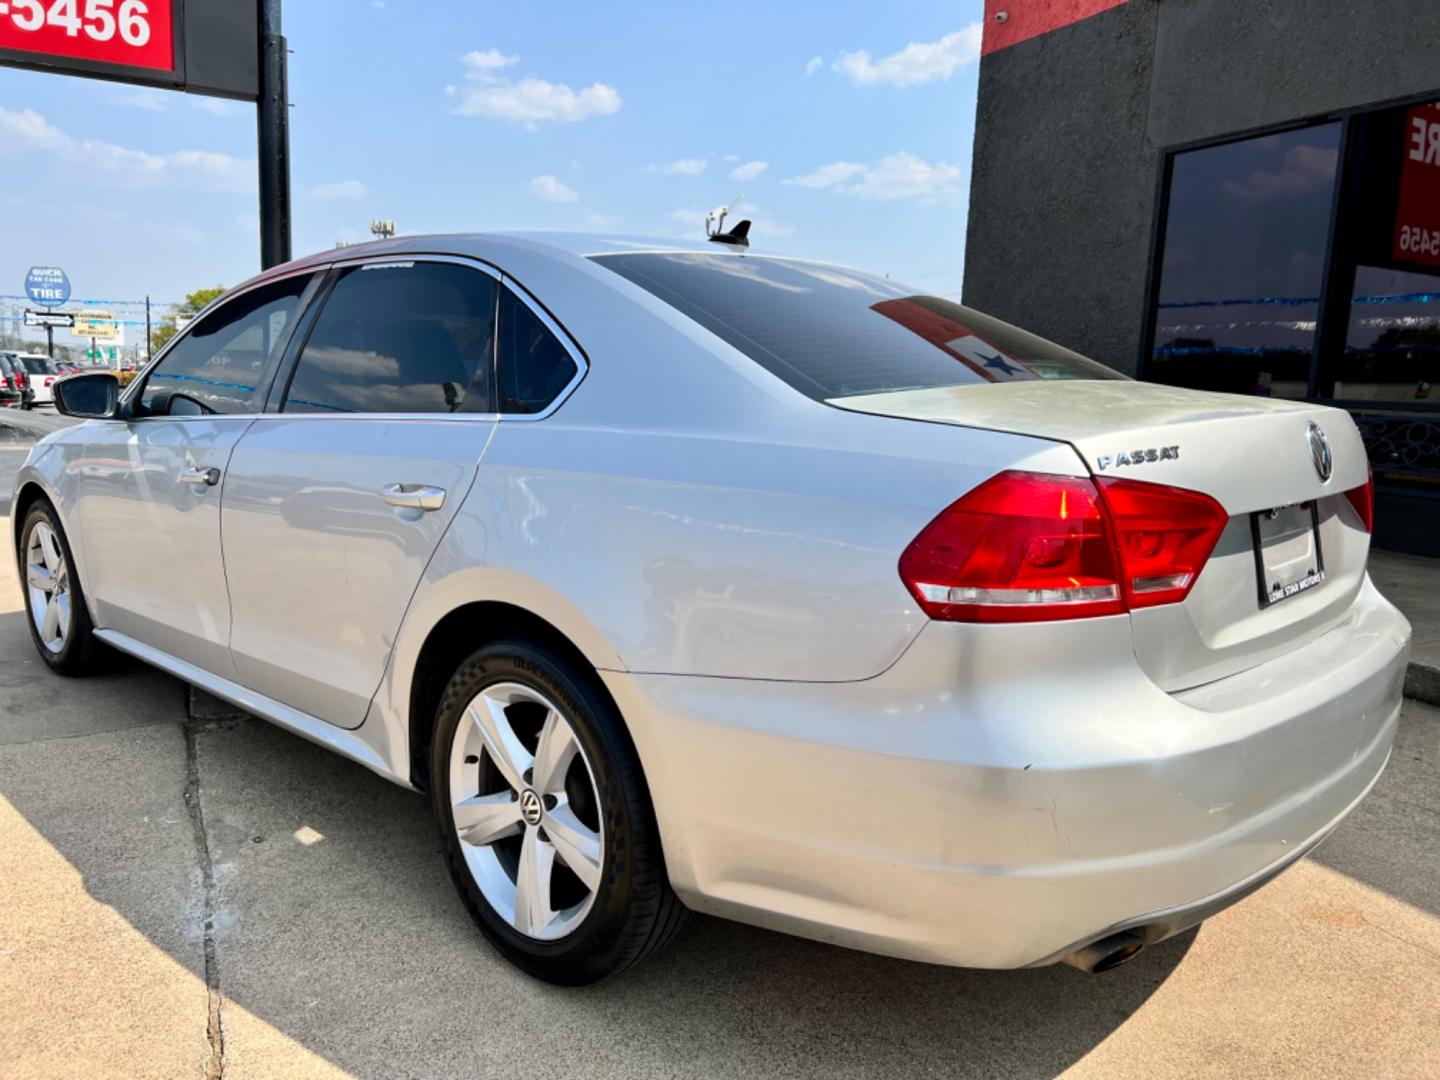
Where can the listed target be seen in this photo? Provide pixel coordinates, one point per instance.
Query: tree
(192, 306)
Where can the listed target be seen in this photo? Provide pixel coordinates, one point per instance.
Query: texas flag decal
(988, 360)
(923, 320)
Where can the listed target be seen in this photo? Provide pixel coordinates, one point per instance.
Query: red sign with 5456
(135, 33)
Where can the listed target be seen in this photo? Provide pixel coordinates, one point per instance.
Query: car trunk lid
(1252, 455)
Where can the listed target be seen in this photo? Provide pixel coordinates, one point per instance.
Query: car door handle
(414, 496)
(201, 478)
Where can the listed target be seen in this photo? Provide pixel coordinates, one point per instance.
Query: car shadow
(335, 924)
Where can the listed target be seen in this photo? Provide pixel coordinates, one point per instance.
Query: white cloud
(490, 60)
(1304, 169)
(896, 176)
(749, 171)
(918, 62)
(340, 189)
(827, 175)
(213, 106)
(685, 167)
(814, 64)
(551, 189)
(143, 97)
(26, 130)
(602, 221)
(530, 101)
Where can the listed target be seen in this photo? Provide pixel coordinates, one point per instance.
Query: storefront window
(1243, 262)
(1392, 349)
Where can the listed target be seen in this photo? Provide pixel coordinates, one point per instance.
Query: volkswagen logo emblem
(530, 807)
(1319, 452)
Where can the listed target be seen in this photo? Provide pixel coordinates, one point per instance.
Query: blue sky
(850, 127)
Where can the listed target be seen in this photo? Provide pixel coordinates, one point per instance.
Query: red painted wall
(1026, 19)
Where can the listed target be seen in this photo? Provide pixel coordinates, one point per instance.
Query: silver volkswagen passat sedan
(683, 577)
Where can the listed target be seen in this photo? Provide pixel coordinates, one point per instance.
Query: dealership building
(1236, 195)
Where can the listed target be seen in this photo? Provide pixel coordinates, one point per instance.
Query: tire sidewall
(68, 658)
(587, 952)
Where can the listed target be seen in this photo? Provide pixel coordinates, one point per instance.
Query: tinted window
(1244, 256)
(534, 366)
(400, 338)
(36, 365)
(222, 363)
(835, 333)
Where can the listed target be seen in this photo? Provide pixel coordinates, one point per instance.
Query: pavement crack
(214, 1030)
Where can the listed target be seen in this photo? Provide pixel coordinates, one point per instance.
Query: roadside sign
(133, 33)
(203, 46)
(100, 325)
(47, 285)
(50, 319)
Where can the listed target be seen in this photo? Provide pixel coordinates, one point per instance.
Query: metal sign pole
(274, 121)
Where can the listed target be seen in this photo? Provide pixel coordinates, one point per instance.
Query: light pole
(273, 116)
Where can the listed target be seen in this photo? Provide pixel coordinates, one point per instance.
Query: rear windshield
(834, 333)
(36, 365)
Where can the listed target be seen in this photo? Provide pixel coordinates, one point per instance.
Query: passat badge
(1320, 455)
(1137, 457)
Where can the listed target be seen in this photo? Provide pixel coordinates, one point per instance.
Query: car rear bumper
(1004, 795)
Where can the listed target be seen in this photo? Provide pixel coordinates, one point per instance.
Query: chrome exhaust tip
(1108, 952)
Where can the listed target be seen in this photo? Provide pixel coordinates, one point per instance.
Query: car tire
(499, 706)
(67, 644)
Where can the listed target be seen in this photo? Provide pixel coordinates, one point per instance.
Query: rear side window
(400, 338)
(534, 366)
(223, 362)
(833, 333)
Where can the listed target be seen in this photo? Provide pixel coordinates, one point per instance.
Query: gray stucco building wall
(1073, 125)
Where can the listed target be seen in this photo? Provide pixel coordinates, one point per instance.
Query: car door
(148, 488)
(336, 499)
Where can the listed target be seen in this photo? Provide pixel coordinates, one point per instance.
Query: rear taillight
(1164, 536)
(1025, 547)
(1362, 499)
(1021, 547)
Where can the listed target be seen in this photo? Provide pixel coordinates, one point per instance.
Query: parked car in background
(12, 379)
(41, 373)
(683, 576)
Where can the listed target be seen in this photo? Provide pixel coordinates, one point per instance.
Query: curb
(1422, 682)
(31, 425)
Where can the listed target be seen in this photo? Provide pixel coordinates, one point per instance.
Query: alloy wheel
(526, 810)
(47, 577)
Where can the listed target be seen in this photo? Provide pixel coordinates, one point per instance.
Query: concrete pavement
(179, 898)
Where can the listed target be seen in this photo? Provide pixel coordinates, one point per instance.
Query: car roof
(484, 245)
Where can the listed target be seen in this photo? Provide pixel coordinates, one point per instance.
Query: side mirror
(92, 397)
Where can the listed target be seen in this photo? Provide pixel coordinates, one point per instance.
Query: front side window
(1243, 261)
(534, 366)
(224, 361)
(834, 333)
(400, 338)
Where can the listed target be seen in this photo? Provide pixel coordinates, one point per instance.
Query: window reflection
(1243, 262)
(1392, 349)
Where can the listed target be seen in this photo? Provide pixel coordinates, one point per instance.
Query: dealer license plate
(1287, 551)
